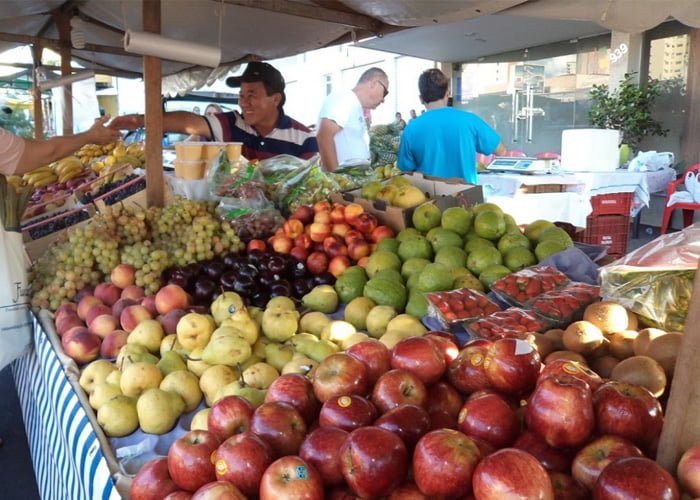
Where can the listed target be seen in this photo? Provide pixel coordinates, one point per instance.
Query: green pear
(322, 298)
(138, 377)
(195, 363)
(407, 323)
(256, 313)
(148, 333)
(118, 417)
(353, 339)
(200, 421)
(281, 303)
(259, 346)
(357, 310)
(280, 324)
(256, 397)
(102, 393)
(226, 350)
(260, 375)
(170, 343)
(378, 318)
(95, 373)
(313, 322)
(114, 378)
(319, 350)
(126, 351)
(186, 384)
(158, 410)
(225, 305)
(226, 331)
(170, 362)
(242, 321)
(144, 357)
(393, 337)
(278, 354)
(214, 378)
(302, 340)
(336, 331)
(250, 362)
(300, 364)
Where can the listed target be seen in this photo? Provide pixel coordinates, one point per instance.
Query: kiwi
(570, 355)
(664, 350)
(622, 343)
(583, 337)
(645, 336)
(641, 370)
(607, 316)
(604, 365)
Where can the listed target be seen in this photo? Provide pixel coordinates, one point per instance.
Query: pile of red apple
(327, 237)
(424, 420)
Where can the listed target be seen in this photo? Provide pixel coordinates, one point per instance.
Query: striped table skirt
(68, 461)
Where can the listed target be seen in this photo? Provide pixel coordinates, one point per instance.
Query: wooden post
(690, 146)
(37, 50)
(62, 20)
(154, 111)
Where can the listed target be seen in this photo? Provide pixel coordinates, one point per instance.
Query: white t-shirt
(11, 149)
(352, 142)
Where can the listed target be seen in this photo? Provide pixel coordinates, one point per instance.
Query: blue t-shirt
(443, 142)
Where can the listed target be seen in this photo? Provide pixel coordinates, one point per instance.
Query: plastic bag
(305, 186)
(651, 161)
(656, 280)
(251, 224)
(237, 185)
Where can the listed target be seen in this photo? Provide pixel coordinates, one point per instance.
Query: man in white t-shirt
(342, 134)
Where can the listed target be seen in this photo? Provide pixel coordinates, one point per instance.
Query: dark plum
(277, 264)
(259, 298)
(230, 258)
(282, 287)
(324, 278)
(204, 290)
(302, 286)
(298, 269)
(214, 269)
(228, 280)
(245, 285)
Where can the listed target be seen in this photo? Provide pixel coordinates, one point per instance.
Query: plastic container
(233, 150)
(565, 305)
(522, 286)
(189, 150)
(513, 322)
(190, 169)
(612, 204)
(459, 305)
(210, 150)
(612, 231)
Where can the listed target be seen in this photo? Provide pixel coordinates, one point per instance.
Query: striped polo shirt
(289, 137)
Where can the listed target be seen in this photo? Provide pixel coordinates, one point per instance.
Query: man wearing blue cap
(262, 126)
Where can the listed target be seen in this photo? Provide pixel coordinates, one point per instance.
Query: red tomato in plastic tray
(461, 304)
(513, 322)
(565, 304)
(528, 283)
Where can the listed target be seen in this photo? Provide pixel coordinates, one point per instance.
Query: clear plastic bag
(251, 224)
(656, 280)
(565, 305)
(305, 186)
(238, 184)
(520, 287)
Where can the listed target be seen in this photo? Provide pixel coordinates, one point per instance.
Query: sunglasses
(386, 90)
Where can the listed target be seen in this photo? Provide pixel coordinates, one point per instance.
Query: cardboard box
(37, 247)
(446, 193)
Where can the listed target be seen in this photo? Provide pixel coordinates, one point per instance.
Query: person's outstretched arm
(182, 122)
(38, 153)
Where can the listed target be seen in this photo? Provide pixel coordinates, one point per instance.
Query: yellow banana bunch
(40, 178)
(16, 181)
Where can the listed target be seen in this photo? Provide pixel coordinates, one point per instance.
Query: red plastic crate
(610, 230)
(611, 204)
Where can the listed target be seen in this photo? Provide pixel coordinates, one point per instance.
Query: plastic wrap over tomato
(548, 155)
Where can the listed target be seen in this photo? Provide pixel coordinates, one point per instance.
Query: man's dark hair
(432, 85)
(372, 74)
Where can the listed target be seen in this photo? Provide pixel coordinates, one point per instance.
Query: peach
(112, 343)
(108, 293)
(293, 228)
(122, 304)
(66, 308)
(95, 311)
(334, 246)
(74, 331)
(149, 302)
(319, 231)
(82, 346)
(382, 232)
(299, 253)
(304, 241)
(256, 245)
(133, 292)
(323, 217)
(352, 235)
(352, 211)
(132, 316)
(304, 213)
(85, 304)
(321, 206)
(84, 292)
(338, 265)
(171, 297)
(340, 228)
(169, 320)
(365, 223)
(317, 262)
(358, 249)
(338, 214)
(66, 322)
(282, 244)
(123, 275)
(103, 325)
(363, 262)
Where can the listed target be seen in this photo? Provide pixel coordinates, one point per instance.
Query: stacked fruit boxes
(609, 223)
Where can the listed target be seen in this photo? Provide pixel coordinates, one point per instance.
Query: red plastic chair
(687, 207)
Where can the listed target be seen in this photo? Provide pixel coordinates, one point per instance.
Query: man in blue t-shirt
(443, 141)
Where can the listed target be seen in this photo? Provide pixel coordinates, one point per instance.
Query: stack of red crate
(609, 223)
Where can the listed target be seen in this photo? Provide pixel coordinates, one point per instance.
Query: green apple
(118, 416)
(158, 410)
(186, 384)
(95, 373)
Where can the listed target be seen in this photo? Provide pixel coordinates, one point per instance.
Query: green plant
(627, 109)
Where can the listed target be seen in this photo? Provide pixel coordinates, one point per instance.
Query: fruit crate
(40, 235)
(132, 192)
(610, 230)
(612, 204)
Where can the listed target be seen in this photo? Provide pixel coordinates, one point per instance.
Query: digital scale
(523, 165)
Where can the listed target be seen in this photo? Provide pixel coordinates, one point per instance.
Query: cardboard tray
(446, 193)
(37, 247)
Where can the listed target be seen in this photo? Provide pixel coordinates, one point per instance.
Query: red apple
(447, 343)
(560, 409)
(688, 471)
(190, 460)
(444, 397)
(317, 262)
(397, 387)
(259, 245)
(590, 461)
(218, 490)
(179, 495)
(108, 293)
(512, 365)
(489, 418)
(347, 412)
(230, 415)
(566, 487)
(629, 411)
(466, 372)
(635, 478)
(511, 473)
(553, 459)
(304, 213)
(375, 355)
(123, 275)
(242, 460)
(420, 356)
(440, 419)
(443, 463)
(338, 265)
(321, 448)
(112, 343)
(407, 491)
(574, 369)
(340, 375)
(152, 481)
(382, 232)
(281, 425)
(409, 422)
(374, 461)
(296, 390)
(291, 478)
(171, 297)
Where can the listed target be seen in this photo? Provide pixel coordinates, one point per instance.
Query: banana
(67, 163)
(34, 178)
(44, 182)
(69, 174)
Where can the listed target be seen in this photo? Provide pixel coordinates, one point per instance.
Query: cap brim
(234, 81)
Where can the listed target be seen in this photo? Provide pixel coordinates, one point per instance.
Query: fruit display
(563, 305)
(527, 284)
(384, 143)
(397, 191)
(251, 224)
(460, 305)
(509, 323)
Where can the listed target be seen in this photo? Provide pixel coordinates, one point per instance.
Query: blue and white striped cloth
(68, 461)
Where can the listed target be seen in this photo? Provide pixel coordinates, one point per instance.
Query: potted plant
(627, 109)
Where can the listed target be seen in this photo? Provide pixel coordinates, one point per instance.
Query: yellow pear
(170, 343)
(138, 377)
(114, 378)
(337, 331)
(280, 303)
(195, 364)
(353, 339)
(250, 362)
(148, 333)
(278, 354)
(118, 417)
(260, 375)
(300, 364)
(378, 319)
(225, 305)
(226, 349)
(126, 354)
(256, 397)
(214, 378)
(170, 362)
(95, 373)
(200, 421)
(407, 323)
(242, 321)
(313, 322)
(194, 330)
(102, 393)
(393, 337)
(280, 324)
(186, 384)
(158, 410)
